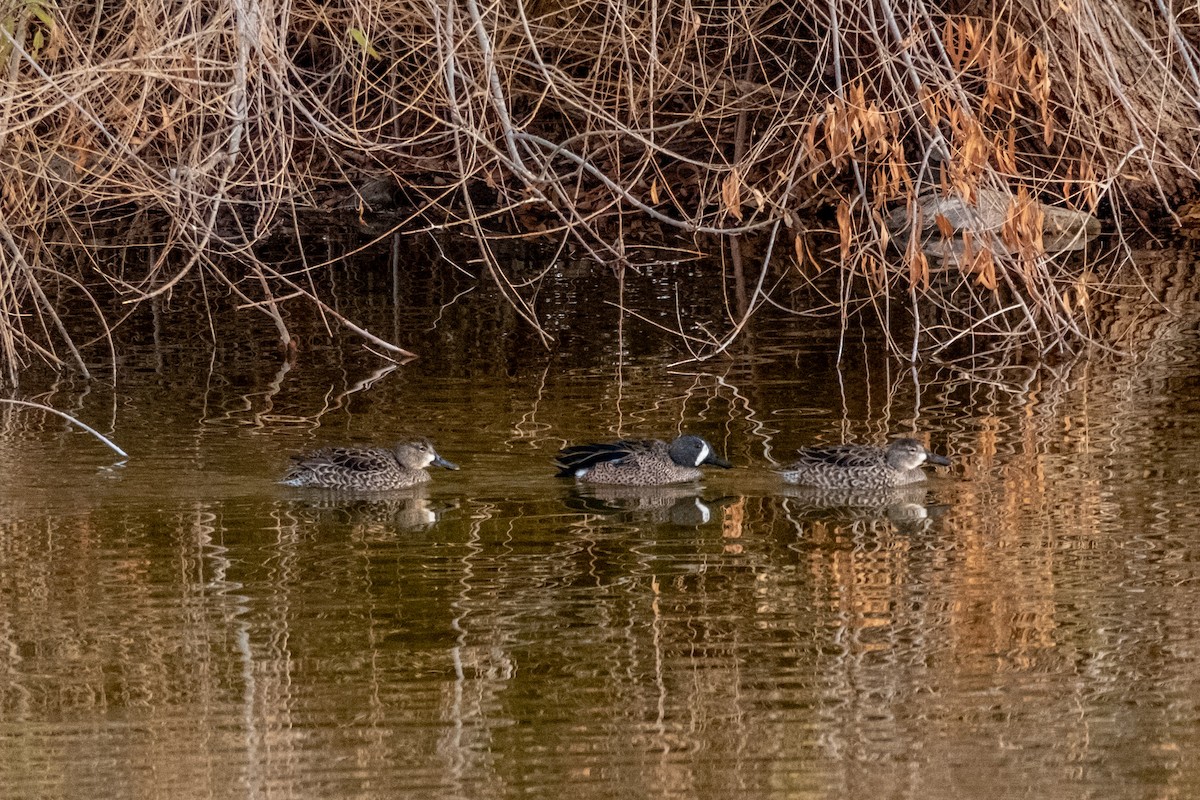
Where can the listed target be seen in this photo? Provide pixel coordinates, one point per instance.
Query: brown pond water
(181, 626)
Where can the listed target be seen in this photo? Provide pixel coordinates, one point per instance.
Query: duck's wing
(570, 460)
(842, 456)
(349, 459)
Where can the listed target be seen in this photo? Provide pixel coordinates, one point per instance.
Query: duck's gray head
(906, 454)
(419, 454)
(692, 451)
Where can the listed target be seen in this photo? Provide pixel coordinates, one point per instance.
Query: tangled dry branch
(722, 122)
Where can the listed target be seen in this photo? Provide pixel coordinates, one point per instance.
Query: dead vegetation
(585, 123)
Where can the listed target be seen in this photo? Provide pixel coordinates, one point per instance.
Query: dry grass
(579, 121)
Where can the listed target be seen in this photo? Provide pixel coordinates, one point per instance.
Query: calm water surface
(180, 625)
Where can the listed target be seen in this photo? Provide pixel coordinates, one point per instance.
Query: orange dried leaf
(802, 253)
(950, 39)
(810, 136)
(984, 267)
(943, 225)
(1010, 152)
(918, 270)
(930, 106)
(885, 235)
(914, 240)
(844, 233)
(871, 268)
(731, 194)
(858, 95)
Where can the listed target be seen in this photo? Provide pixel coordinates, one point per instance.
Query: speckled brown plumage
(638, 462)
(850, 466)
(370, 469)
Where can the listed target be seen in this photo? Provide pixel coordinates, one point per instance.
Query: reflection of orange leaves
(1189, 216)
(1079, 295)
(734, 522)
(731, 194)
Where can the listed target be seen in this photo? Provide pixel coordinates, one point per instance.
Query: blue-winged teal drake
(638, 462)
(370, 469)
(852, 466)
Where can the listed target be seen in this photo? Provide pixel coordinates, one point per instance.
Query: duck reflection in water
(675, 505)
(410, 511)
(906, 507)
(845, 483)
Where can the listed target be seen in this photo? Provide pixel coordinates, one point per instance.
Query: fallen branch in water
(69, 418)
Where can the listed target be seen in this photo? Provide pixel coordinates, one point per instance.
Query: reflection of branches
(257, 409)
(528, 427)
(757, 427)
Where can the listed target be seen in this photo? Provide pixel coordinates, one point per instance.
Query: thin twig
(69, 418)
